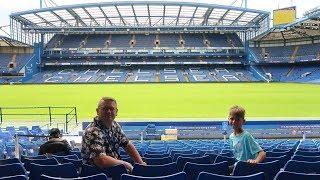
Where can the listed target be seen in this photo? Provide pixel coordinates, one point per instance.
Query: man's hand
(128, 166)
(252, 161)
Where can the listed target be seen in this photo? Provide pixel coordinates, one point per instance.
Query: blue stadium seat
(306, 158)
(155, 155)
(203, 152)
(199, 160)
(303, 167)
(307, 153)
(115, 171)
(282, 160)
(193, 170)
(32, 157)
(51, 161)
(60, 170)
(76, 162)
(285, 175)
(230, 160)
(226, 152)
(154, 170)
(180, 151)
(16, 177)
(213, 156)
(269, 168)
(276, 154)
(158, 161)
(177, 176)
(176, 155)
(12, 170)
(78, 153)
(100, 176)
(207, 176)
(315, 149)
(127, 159)
(60, 158)
(9, 161)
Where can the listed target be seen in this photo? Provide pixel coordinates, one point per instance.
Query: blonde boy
(244, 146)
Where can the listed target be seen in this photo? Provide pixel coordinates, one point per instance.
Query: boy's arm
(259, 159)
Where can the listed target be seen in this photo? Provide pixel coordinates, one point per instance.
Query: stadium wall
(32, 65)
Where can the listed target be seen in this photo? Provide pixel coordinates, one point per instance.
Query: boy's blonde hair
(237, 112)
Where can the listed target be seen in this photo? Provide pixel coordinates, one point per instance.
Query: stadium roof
(307, 27)
(8, 42)
(140, 14)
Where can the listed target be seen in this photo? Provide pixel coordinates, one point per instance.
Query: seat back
(154, 170)
(230, 160)
(155, 155)
(177, 176)
(60, 158)
(193, 169)
(269, 168)
(200, 160)
(16, 177)
(9, 161)
(176, 155)
(32, 157)
(115, 171)
(158, 161)
(206, 176)
(51, 161)
(282, 160)
(182, 151)
(307, 153)
(276, 154)
(60, 170)
(100, 176)
(303, 167)
(285, 175)
(306, 158)
(12, 170)
(203, 152)
(76, 162)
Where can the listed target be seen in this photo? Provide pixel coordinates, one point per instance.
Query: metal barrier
(48, 115)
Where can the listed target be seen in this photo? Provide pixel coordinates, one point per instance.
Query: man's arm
(133, 153)
(103, 161)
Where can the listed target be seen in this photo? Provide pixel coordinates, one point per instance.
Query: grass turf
(184, 100)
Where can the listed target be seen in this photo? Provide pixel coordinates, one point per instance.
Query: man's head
(237, 117)
(54, 133)
(107, 110)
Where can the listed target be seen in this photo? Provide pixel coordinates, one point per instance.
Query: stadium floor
(172, 101)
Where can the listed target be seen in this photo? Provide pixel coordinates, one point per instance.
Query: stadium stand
(188, 44)
(182, 156)
(288, 53)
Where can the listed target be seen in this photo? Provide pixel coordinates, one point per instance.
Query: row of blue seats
(280, 151)
(282, 175)
(192, 170)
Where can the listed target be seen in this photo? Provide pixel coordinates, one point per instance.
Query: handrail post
(75, 113)
(66, 123)
(50, 117)
(0, 115)
(17, 146)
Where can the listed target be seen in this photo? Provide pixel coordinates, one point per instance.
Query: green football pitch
(199, 100)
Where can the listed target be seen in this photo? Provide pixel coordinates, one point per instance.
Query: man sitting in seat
(103, 138)
(56, 144)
